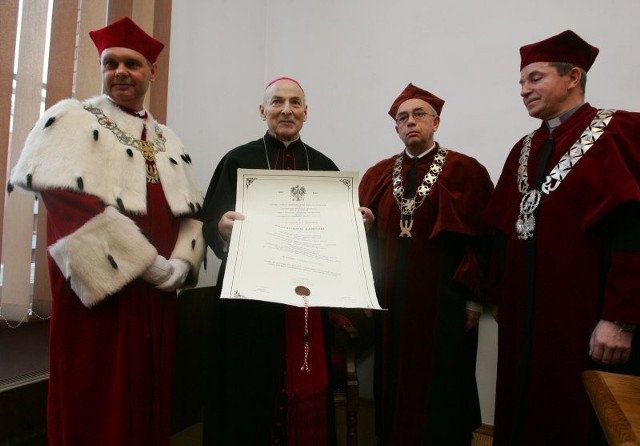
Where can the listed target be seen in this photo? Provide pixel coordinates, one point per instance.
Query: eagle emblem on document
(298, 193)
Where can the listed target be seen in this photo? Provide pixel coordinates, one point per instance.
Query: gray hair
(563, 68)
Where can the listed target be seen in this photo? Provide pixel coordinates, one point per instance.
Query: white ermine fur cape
(68, 148)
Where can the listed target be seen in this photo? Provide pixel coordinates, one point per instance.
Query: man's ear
(154, 71)
(575, 77)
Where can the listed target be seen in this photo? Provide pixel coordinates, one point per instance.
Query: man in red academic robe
(120, 198)
(426, 248)
(567, 251)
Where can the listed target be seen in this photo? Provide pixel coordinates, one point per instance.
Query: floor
(483, 436)
(192, 436)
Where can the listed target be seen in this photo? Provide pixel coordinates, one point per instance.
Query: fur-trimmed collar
(70, 148)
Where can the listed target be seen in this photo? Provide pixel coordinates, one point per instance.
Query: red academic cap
(413, 92)
(564, 47)
(125, 33)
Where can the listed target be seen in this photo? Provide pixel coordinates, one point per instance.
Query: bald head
(282, 84)
(284, 109)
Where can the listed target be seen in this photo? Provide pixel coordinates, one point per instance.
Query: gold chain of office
(148, 149)
(409, 205)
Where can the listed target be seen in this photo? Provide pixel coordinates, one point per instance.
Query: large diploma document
(302, 241)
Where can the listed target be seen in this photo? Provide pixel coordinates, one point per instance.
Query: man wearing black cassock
(258, 394)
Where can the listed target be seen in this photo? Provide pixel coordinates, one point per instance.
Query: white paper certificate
(302, 239)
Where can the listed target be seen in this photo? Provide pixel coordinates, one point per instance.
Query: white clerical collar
(422, 154)
(286, 143)
(555, 122)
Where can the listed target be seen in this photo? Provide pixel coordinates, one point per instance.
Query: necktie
(547, 151)
(410, 190)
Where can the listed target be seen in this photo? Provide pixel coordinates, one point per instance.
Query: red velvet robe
(111, 333)
(425, 359)
(575, 280)
(110, 365)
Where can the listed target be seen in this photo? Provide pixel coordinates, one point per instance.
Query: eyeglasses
(418, 115)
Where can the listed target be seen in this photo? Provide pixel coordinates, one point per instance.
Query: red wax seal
(302, 290)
